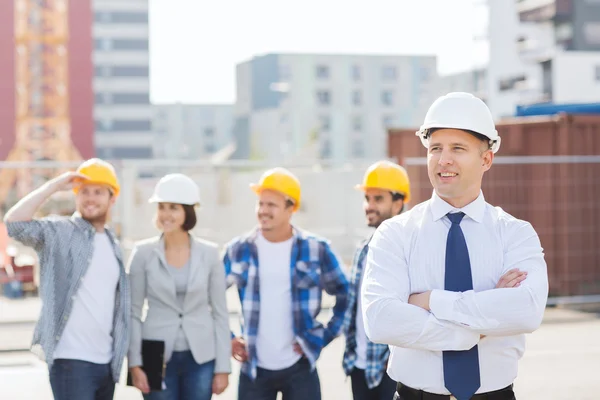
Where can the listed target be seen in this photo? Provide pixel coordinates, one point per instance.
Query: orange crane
(42, 102)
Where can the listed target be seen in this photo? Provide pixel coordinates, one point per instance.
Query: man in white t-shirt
(280, 272)
(83, 329)
(386, 188)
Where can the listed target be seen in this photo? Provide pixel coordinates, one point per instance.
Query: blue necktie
(461, 368)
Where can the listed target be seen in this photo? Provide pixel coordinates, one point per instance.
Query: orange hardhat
(280, 180)
(99, 172)
(388, 176)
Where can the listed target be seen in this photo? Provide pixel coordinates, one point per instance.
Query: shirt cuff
(441, 304)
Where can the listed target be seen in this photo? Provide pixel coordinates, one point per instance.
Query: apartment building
(325, 106)
(542, 51)
(192, 131)
(122, 111)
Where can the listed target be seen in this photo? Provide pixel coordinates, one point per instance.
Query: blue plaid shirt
(377, 354)
(314, 267)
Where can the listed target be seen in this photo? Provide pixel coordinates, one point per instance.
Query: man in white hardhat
(454, 284)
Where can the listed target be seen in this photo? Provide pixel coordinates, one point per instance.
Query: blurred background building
(322, 106)
(75, 83)
(121, 55)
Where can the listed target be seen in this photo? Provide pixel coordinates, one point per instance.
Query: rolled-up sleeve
(32, 233)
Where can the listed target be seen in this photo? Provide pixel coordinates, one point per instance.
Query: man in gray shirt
(83, 330)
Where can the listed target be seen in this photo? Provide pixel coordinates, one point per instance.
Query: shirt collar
(474, 210)
(86, 225)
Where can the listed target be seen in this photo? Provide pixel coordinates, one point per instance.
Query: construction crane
(42, 100)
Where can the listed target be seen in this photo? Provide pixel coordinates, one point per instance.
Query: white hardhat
(460, 110)
(176, 188)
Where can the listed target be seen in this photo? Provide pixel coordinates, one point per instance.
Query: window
(121, 17)
(124, 152)
(357, 97)
(511, 83)
(123, 125)
(358, 148)
(357, 123)
(388, 73)
(322, 72)
(597, 73)
(121, 44)
(209, 147)
(104, 125)
(285, 73)
(325, 123)
(324, 97)
(209, 132)
(425, 74)
(355, 73)
(388, 121)
(591, 31)
(130, 71)
(325, 151)
(131, 98)
(387, 98)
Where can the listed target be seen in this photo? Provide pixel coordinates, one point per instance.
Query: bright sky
(195, 44)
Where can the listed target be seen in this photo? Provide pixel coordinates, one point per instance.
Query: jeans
(81, 380)
(186, 379)
(360, 391)
(297, 382)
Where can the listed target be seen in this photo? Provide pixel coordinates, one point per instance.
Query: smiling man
(83, 329)
(386, 189)
(280, 271)
(454, 284)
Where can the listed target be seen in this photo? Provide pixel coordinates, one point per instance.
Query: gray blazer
(204, 316)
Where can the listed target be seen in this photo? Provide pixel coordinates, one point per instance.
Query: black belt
(408, 393)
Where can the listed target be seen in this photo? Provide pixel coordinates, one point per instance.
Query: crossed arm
(441, 320)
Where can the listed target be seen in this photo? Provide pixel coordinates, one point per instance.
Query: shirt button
(180, 315)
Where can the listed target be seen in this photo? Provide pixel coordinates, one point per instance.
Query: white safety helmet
(176, 188)
(460, 110)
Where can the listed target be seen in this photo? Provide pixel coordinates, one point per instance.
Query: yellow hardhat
(282, 181)
(99, 172)
(388, 176)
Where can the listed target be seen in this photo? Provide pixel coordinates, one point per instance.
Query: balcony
(531, 51)
(544, 10)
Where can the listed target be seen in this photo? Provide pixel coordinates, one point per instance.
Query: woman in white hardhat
(183, 279)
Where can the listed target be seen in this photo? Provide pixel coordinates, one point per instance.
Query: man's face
(93, 202)
(379, 206)
(456, 162)
(272, 211)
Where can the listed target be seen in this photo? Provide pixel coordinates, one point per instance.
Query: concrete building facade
(122, 111)
(333, 107)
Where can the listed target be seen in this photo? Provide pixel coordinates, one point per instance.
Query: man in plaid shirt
(83, 329)
(386, 188)
(280, 272)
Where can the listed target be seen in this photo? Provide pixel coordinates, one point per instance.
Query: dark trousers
(411, 394)
(81, 380)
(360, 391)
(186, 379)
(297, 382)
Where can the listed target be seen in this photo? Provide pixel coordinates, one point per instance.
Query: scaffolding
(42, 119)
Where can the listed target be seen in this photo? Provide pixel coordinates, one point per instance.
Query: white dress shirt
(407, 256)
